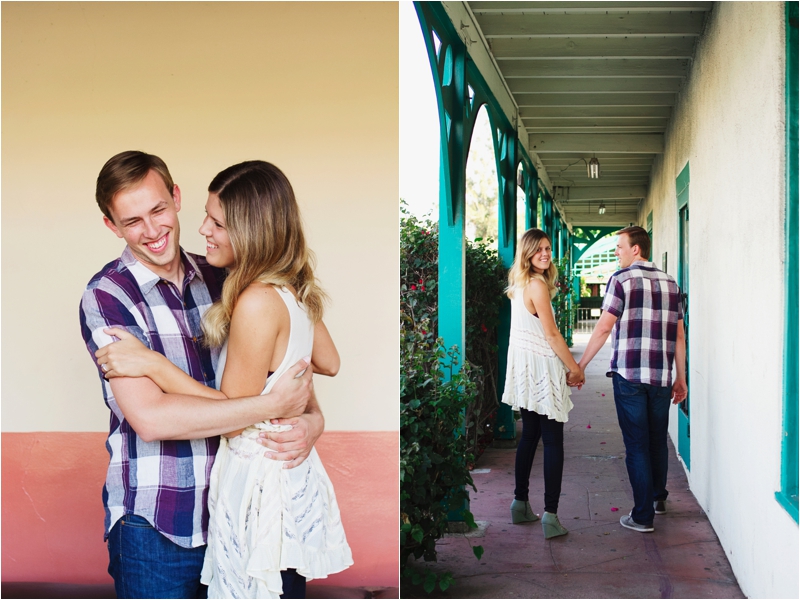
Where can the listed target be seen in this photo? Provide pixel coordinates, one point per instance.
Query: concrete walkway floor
(598, 558)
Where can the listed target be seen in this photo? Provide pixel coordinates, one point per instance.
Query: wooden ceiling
(592, 79)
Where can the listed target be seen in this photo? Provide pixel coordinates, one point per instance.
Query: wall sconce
(602, 209)
(593, 169)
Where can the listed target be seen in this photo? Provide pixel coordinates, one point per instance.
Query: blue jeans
(643, 414)
(145, 564)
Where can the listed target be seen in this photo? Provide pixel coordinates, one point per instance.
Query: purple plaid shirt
(647, 304)
(166, 482)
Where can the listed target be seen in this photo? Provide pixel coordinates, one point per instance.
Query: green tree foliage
(482, 188)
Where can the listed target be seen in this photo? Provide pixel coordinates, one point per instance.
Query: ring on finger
(104, 366)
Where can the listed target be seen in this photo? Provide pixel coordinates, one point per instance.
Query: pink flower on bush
(413, 287)
(483, 328)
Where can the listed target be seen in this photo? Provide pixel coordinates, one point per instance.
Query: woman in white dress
(270, 528)
(536, 377)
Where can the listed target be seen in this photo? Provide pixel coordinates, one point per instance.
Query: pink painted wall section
(53, 513)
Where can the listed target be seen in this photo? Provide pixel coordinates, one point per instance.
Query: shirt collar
(146, 279)
(640, 263)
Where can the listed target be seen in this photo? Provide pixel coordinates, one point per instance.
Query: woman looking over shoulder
(536, 377)
(271, 528)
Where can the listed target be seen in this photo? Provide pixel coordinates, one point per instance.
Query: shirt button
(194, 339)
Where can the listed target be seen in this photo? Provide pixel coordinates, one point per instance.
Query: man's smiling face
(146, 217)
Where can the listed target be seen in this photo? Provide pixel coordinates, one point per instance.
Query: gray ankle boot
(552, 526)
(521, 512)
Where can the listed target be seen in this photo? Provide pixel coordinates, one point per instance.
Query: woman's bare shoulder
(536, 284)
(258, 301)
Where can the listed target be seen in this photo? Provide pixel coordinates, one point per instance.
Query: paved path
(598, 558)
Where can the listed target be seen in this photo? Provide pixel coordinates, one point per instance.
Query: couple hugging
(644, 310)
(206, 365)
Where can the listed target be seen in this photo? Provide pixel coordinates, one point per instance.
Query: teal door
(684, 428)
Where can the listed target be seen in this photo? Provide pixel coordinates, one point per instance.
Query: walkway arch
(461, 90)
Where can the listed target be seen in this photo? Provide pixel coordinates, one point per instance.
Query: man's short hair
(637, 236)
(124, 171)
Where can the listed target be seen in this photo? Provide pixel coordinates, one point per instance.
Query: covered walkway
(598, 558)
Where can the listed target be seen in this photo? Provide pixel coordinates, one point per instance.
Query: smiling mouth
(158, 245)
(210, 246)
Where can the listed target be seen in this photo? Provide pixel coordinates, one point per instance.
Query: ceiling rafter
(588, 79)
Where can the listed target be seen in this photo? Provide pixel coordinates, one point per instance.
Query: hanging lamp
(593, 168)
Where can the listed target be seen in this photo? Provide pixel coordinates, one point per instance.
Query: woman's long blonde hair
(522, 272)
(263, 223)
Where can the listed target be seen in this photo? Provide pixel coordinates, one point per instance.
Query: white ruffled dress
(263, 518)
(536, 379)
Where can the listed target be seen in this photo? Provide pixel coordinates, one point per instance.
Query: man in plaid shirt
(643, 308)
(162, 446)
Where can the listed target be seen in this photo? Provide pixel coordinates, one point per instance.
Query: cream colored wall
(729, 126)
(311, 87)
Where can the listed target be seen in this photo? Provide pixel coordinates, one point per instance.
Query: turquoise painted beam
(581, 243)
(506, 159)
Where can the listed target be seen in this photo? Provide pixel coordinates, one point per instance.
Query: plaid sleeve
(614, 300)
(99, 310)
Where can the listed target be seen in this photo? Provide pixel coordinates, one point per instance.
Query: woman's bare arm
(324, 357)
(128, 357)
(537, 297)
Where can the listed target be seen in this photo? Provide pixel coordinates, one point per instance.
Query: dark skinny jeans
(535, 426)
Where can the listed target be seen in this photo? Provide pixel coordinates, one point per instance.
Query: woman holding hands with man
(540, 371)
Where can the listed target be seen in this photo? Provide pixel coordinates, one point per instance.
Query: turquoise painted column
(576, 280)
(547, 211)
(448, 65)
(531, 194)
(452, 210)
(558, 249)
(506, 158)
(448, 59)
(788, 494)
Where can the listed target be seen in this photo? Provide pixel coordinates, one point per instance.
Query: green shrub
(434, 460)
(485, 281)
(485, 284)
(564, 303)
(444, 413)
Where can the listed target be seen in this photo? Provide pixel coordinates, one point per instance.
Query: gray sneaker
(627, 521)
(660, 507)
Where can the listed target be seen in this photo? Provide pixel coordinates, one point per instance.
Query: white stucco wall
(729, 127)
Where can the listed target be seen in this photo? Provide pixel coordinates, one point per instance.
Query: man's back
(647, 304)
